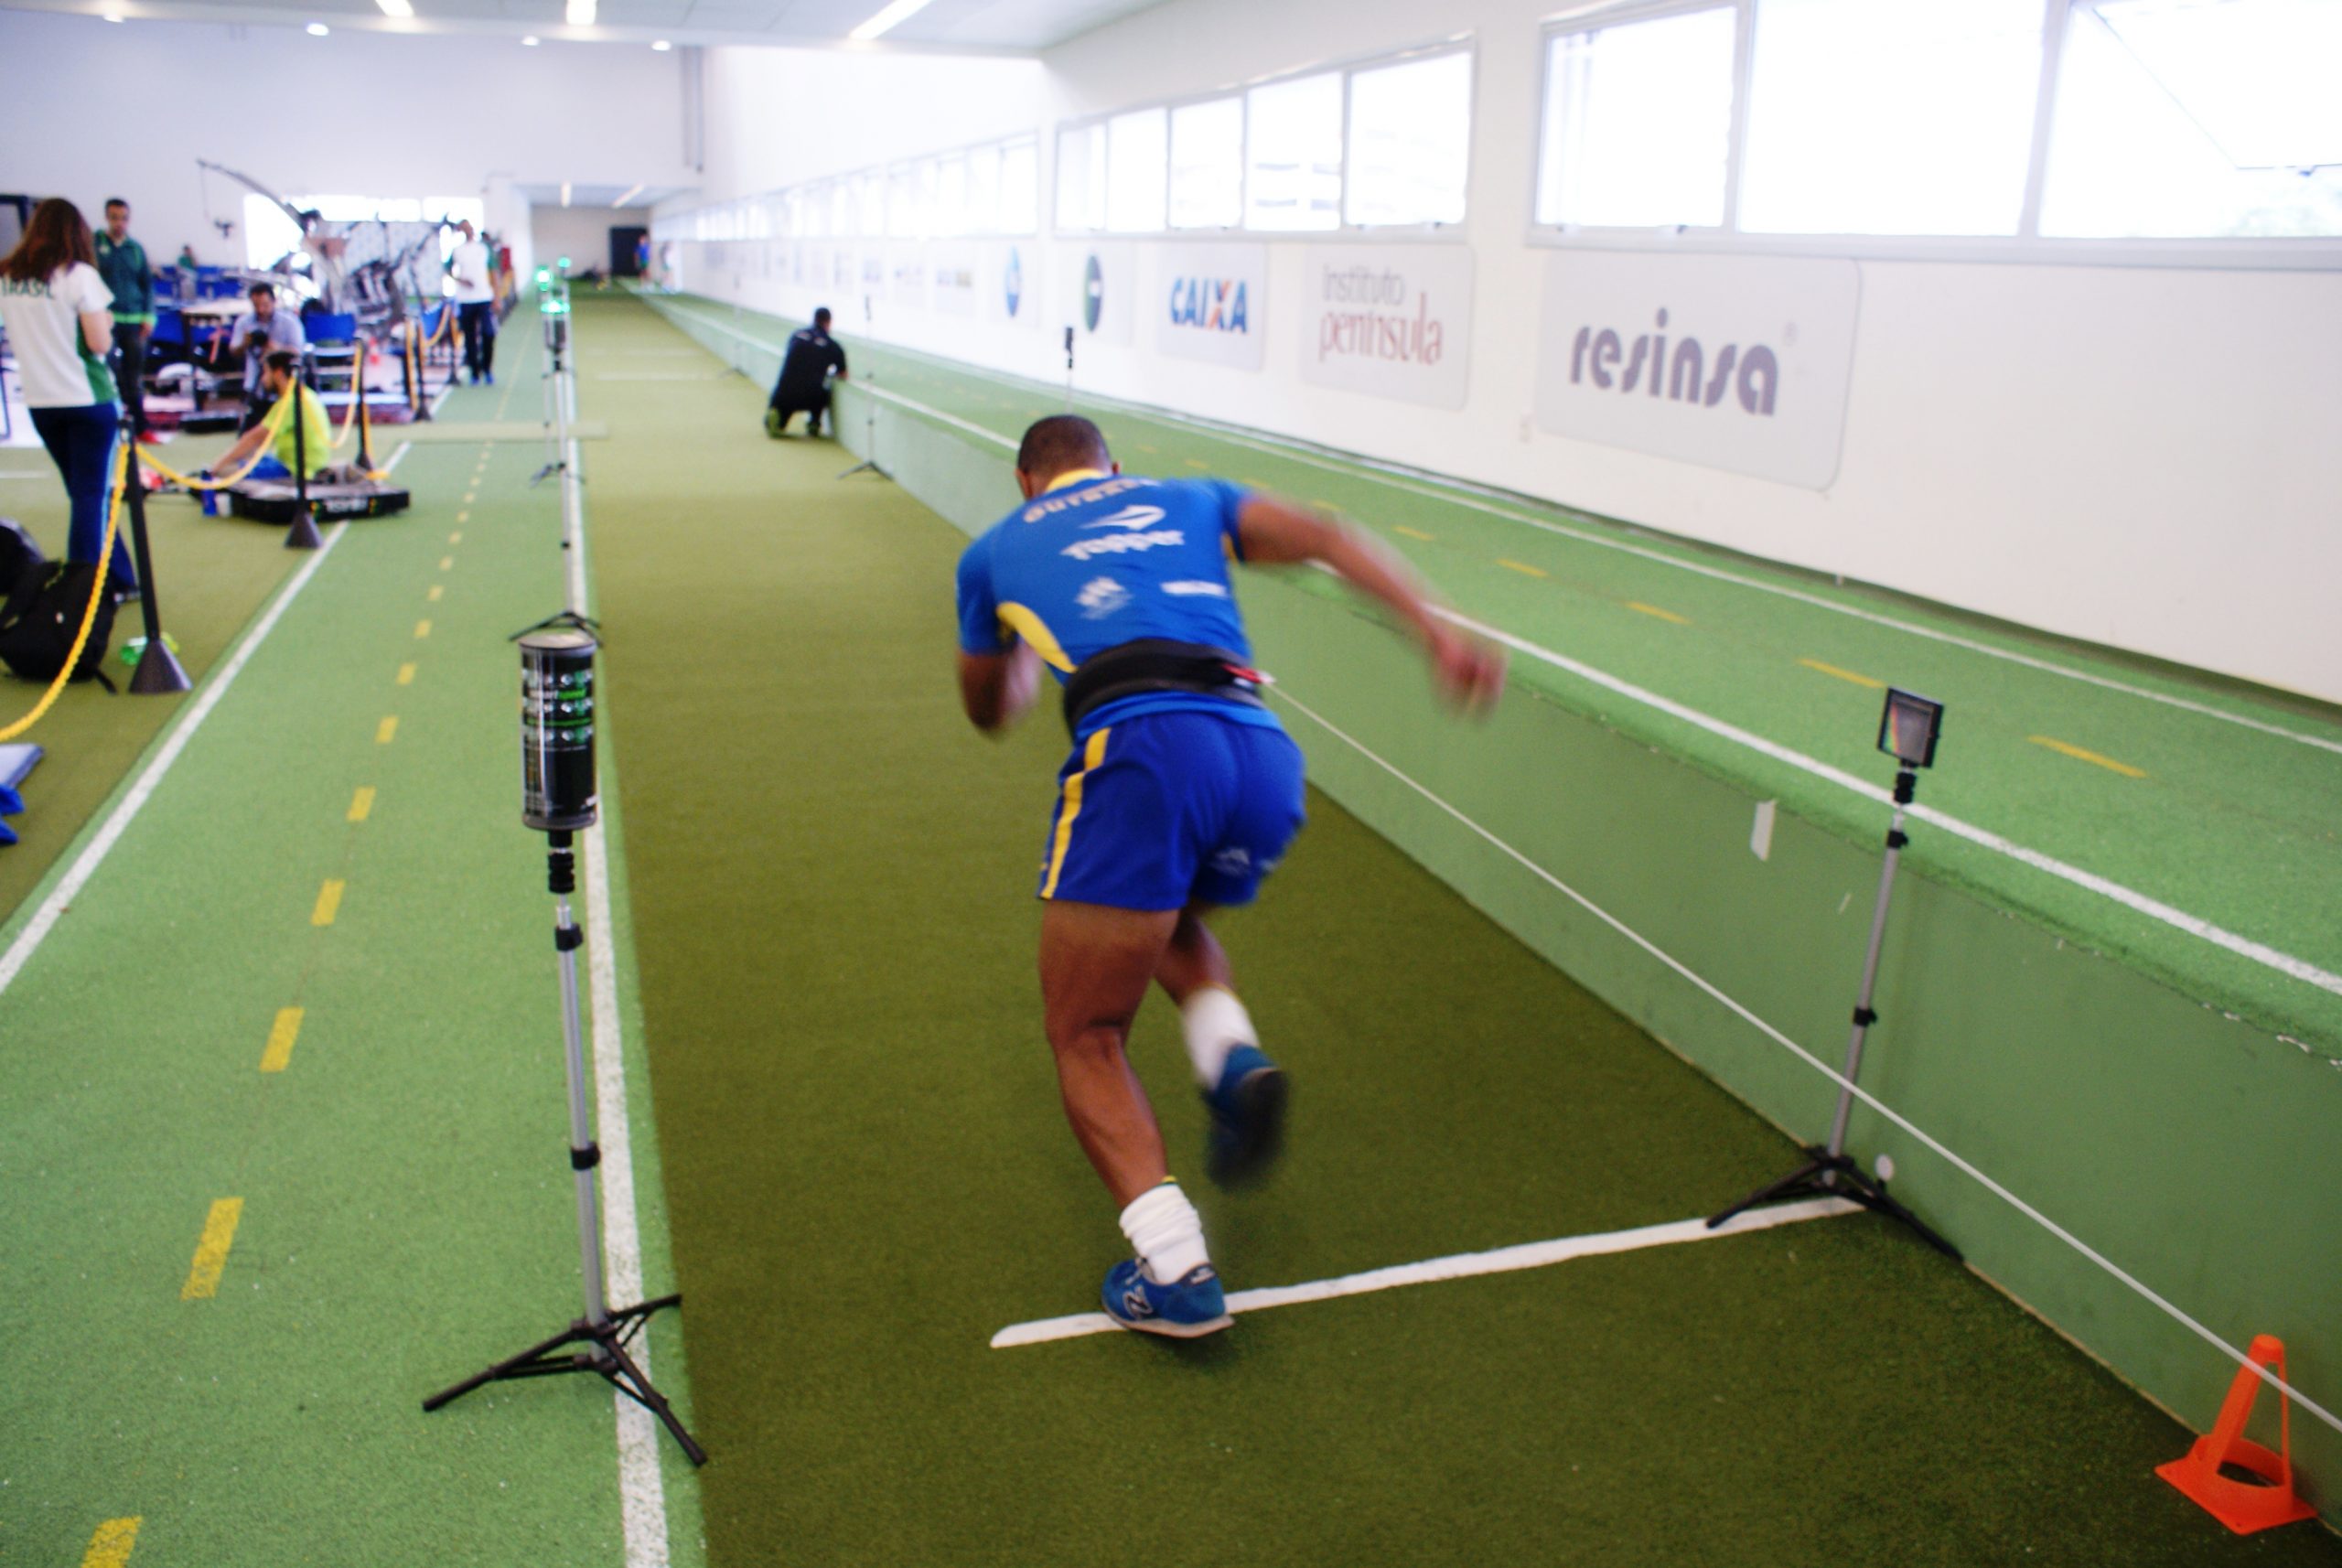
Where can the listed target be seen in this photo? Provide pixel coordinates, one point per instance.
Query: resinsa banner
(1209, 301)
(1391, 321)
(1731, 362)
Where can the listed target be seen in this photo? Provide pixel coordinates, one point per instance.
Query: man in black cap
(804, 384)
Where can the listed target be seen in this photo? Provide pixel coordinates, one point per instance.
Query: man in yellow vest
(280, 376)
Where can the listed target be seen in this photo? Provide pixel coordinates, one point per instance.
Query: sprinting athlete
(1181, 794)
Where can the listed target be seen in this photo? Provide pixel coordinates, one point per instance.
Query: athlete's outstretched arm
(994, 688)
(1471, 673)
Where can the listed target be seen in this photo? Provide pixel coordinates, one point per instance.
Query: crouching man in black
(804, 385)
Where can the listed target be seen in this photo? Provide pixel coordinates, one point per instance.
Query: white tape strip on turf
(1460, 1265)
(642, 1492)
(1742, 1012)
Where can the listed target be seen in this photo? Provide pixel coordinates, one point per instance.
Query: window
(951, 219)
(1208, 165)
(2197, 121)
(1891, 116)
(871, 193)
(1410, 142)
(1137, 148)
(984, 190)
(906, 212)
(1637, 128)
(1294, 154)
(1020, 188)
(1081, 178)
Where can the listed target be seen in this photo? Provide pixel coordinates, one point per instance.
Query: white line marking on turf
(1740, 1011)
(1461, 492)
(2283, 963)
(85, 866)
(642, 1493)
(1457, 1266)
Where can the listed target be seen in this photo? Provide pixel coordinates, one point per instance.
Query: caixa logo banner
(1732, 362)
(1210, 302)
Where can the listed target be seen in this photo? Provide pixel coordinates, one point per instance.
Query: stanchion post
(303, 534)
(158, 671)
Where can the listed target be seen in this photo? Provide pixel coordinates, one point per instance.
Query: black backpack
(19, 552)
(44, 609)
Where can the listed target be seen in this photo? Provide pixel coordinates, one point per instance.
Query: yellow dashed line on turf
(2078, 754)
(433, 594)
(422, 630)
(387, 731)
(1670, 615)
(1150, 450)
(1196, 463)
(1412, 532)
(446, 562)
(111, 1542)
(361, 804)
(1523, 568)
(454, 538)
(463, 517)
(470, 497)
(406, 674)
(212, 1250)
(1862, 681)
(328, 902)
(281, 1036)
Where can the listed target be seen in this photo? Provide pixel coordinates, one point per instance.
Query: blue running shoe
(490, 377)
(1247, 1119)
(1186, 1310)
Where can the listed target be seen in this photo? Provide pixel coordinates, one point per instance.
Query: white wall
(93, 110)
(2142, 456)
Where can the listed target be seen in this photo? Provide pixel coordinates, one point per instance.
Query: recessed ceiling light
(580, 13)
(399, 9)
(628, 194)
(662, 45)
(564, 193)
(530, 42)
(113, 15)
(318, 29)
(900, 11)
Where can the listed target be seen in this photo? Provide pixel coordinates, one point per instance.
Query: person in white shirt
(59, 315)
(472, 269)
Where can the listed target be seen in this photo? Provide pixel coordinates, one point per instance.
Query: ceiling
(581, 194)
(985, 25)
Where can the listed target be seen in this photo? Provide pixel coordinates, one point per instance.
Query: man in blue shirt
(1181, 794)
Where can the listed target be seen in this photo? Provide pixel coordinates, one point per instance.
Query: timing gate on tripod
(558, 798)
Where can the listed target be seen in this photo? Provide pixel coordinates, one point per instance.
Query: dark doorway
(624, 243)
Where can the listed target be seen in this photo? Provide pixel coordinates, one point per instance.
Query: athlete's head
(1057, 444)
(821, 319)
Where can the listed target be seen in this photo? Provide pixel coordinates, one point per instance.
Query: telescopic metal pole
(584, 1154)
(1906, 785)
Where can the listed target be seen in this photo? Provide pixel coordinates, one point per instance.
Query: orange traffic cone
(2243, 1506)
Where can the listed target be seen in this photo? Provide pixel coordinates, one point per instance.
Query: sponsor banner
(1102, 298)
(1731, 362)
(951, 276)
(1012, 284)
(1208, 304)
(907, 275)
(1391, 321)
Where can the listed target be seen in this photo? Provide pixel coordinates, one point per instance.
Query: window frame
(1344, 230)
(2027, 246)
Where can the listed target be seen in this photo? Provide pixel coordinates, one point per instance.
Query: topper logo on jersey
(1209, 304)
(1130, 517)
(1760, 369)
(1121, 543)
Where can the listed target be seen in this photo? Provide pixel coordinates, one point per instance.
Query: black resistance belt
(1157, 664)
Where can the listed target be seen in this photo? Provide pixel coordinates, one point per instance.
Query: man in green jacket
(122, 263)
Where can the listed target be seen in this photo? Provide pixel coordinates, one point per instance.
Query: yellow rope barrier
(98, 583)
(273, 424)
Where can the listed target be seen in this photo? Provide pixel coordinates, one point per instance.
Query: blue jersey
(1104, 561)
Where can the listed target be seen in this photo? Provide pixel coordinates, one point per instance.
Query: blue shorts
(1166, 810)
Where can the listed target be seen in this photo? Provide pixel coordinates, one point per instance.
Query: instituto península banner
(1391, 321)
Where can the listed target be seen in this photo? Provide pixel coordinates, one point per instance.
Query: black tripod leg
(1805, 1178)
(529, 1363)
(1874, 1197)
(627, 1378)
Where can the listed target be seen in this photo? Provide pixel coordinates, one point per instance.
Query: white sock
(1166, 1232)
(1216, 1023)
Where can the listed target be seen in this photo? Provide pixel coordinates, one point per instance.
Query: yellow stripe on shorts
(1091, 756)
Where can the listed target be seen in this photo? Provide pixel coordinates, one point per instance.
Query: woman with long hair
(59, 315)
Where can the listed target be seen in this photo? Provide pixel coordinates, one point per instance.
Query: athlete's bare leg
(1096, 964)
(1193, 958)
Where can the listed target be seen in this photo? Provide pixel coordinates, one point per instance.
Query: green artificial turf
(407, 1205)
(869, 1172)
(2229, 824)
